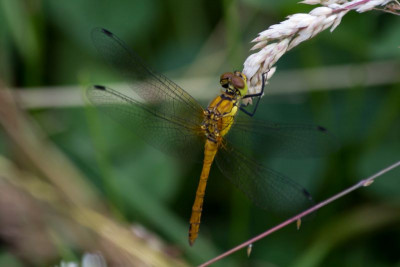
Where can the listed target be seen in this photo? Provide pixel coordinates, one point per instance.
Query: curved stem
(365, 182)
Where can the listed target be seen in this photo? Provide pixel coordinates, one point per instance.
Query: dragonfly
(170, 119)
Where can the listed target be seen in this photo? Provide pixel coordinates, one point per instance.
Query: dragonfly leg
(259, 95)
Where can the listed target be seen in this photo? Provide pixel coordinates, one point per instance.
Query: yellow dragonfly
(168, 118)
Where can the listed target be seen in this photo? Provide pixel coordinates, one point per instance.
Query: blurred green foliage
(47, 43)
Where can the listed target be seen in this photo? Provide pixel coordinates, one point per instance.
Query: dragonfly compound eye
(241, 75)
(225, 79)
(238, 82)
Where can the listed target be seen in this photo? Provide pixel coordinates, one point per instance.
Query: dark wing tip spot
(322, 129)
(99, 87)
(106, 32)
(307, 194)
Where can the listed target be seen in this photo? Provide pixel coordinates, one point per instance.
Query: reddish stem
(364, 182)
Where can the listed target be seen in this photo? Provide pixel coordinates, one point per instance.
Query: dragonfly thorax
(218, 117)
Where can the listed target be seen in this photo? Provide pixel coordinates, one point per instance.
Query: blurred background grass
(347, 81)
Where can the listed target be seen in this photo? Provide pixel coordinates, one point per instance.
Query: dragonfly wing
(176, 137)
(147, 84)
(269, 139)
(265, 187)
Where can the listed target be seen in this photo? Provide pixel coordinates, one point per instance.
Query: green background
(46, 45)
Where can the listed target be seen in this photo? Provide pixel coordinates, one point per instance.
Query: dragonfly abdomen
(210, 150)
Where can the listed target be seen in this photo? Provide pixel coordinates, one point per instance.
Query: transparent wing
(267, 188)
(147, 84)
(271, 139)
(177, 137)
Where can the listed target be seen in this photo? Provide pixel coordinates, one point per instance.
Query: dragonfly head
(235, 83)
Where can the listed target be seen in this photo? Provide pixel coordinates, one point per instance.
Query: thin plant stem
(365, 182)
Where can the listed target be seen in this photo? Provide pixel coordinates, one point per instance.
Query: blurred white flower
(88, 260)
(93, 260)
(68, 264)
